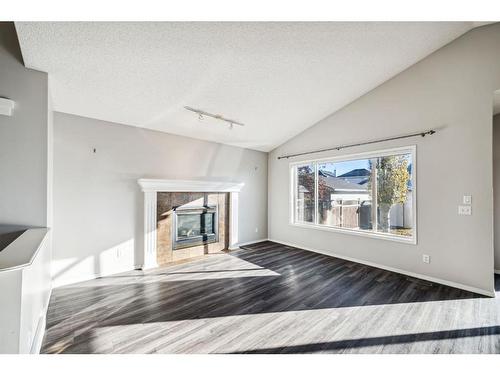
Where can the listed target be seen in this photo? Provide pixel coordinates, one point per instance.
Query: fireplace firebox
(194, 226)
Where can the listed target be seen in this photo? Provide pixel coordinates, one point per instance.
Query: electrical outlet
(426, 258)
(467, 199)
(256, 230)
(465, 210)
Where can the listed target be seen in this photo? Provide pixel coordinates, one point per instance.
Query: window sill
(380, 236)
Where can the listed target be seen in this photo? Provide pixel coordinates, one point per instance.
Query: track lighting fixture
(202, 114)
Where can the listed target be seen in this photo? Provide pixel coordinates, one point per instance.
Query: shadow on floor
(341, 345)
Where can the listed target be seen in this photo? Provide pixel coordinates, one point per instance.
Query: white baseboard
(81, 278)
(396, 270)
(58, 282)
(497, 271)
(36, 345)
(247, 243)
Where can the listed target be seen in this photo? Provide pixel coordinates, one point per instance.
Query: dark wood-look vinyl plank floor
(269, 298)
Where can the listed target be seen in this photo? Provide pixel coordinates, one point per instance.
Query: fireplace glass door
(194, 226)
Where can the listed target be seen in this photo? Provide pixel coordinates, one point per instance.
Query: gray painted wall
(450, 90)
(98, 205)
(496, 187)
(25, 192)
(23, 137)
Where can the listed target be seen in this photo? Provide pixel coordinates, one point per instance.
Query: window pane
(372, 195)
(304, 194)
(394, 194)
(344, 196)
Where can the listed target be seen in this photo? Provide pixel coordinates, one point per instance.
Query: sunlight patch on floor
(308, 328)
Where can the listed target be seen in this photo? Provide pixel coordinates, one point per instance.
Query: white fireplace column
(149, 230)
(151, 187)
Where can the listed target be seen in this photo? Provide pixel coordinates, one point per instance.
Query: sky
(347, 166)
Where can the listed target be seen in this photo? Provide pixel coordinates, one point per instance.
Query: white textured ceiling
(277, 78)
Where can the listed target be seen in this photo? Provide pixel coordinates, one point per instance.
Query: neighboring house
(356, 176)
(340, 202)
(341, 187)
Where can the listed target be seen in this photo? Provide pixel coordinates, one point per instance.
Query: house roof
(326, 173)
(360, 172)
(341, 184)
(337, 183)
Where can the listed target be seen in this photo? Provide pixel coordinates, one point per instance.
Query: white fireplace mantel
(151, 187)
(183, 186)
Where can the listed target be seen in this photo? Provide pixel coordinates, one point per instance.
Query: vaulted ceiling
(276, 78)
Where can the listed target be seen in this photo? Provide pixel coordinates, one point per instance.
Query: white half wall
(98, 205)
(26, 286)
(451, 91)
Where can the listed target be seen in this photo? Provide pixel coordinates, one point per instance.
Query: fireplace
(205, 215)
(194, 226)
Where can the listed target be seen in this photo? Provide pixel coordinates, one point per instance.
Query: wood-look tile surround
(166, 201)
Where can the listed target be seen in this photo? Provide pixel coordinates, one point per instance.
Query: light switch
(464, 210)
(467, 199)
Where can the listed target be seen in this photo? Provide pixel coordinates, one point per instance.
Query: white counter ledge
(22, 251)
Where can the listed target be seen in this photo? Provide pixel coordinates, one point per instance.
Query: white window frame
(412, 149)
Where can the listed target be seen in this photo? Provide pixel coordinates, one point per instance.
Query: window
(305, 193)
(371, 194)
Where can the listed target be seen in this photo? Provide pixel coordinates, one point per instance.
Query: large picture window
(371, 194)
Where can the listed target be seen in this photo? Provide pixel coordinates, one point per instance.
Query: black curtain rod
(337, 148)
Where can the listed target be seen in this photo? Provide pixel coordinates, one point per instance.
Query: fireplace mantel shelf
(151, 187)
(155, 185)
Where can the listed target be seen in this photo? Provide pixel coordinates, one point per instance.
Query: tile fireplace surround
(158, 251)
(168, 207)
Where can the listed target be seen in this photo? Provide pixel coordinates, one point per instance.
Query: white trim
(412, 149)
(149, 230)
(357, 232)
(64, 281)
(36, 344)
(396, 270)
(316, 194)
(233, 219)
(183, 186)
(248, 243)
(497, 271)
